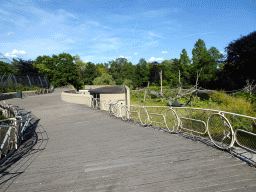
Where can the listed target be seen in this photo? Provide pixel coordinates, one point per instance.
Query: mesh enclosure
(12, 81)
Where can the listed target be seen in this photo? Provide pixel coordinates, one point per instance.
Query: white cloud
(69, 41)
(164, 52)
(96, 24)
(155, 59)
(10, 33)
(129, 57)
(135, 53)
(4, 12)
(15, 53)
(151, 35)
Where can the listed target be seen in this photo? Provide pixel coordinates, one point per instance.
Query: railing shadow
(34, 141)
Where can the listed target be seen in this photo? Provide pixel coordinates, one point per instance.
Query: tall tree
(90, 73)
(184, 58)
(25, 67)
(46, 66)
(116, 70)
(202, 59)
(141, 74)
(184, 66)
(213, 67)
(80, 66)
(128, 71)
(6, 69)
(66, 71)
(240, 61)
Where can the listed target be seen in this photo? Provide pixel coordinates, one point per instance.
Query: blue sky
(100, 30)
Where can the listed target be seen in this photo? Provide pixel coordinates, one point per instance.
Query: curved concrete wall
(69, 96)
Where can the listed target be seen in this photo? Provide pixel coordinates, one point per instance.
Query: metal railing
(224, 129)
(12, 129)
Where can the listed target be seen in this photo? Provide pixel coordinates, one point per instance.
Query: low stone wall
(4, 96)
(70, 96)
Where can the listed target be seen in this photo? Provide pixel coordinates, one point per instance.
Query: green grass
(241, 103)
(21, 88)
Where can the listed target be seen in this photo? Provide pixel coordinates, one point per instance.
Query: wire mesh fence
(12, 81)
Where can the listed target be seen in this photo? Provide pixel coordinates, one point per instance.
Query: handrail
(16, 127)
(225, 129)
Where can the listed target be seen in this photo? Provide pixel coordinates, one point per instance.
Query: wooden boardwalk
(76, 148)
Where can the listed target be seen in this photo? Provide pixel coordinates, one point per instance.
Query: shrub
(233, 104)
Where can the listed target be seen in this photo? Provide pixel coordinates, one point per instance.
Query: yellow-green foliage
(233, 104)
(21, 88)
(217, 100)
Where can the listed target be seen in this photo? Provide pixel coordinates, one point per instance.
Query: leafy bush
(21, 88)
(246, 95)
(233, 104)
(1, 115)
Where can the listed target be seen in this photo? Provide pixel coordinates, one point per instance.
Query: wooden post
(180, 84)
(145, 94)
(161, 78)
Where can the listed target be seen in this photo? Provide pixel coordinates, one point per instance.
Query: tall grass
(242, 103)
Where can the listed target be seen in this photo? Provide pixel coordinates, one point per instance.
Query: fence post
(41, 81)
(46, 80)
(2, 78)
(29, 82)
(15, 81)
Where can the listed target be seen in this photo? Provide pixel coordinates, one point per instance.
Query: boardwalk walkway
(77, 148)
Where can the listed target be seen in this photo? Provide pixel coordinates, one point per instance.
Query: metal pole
(29, 82)
(40, 81)
(2, 78)
(15, 81)
(161, 78)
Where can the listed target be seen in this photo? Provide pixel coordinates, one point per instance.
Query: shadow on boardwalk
(16, 163)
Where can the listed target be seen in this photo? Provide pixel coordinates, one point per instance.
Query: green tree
(6, 69)
(90, 73)
(184, 65)
(104, 79)
(141, 73)
(25, 67)
(128, 71)
(175, 67)
(213, 68)
(46, 66)
(60, 69)
(80, 66)
(202, 59)
(116, 70)
(101, 68)
(240, 61)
